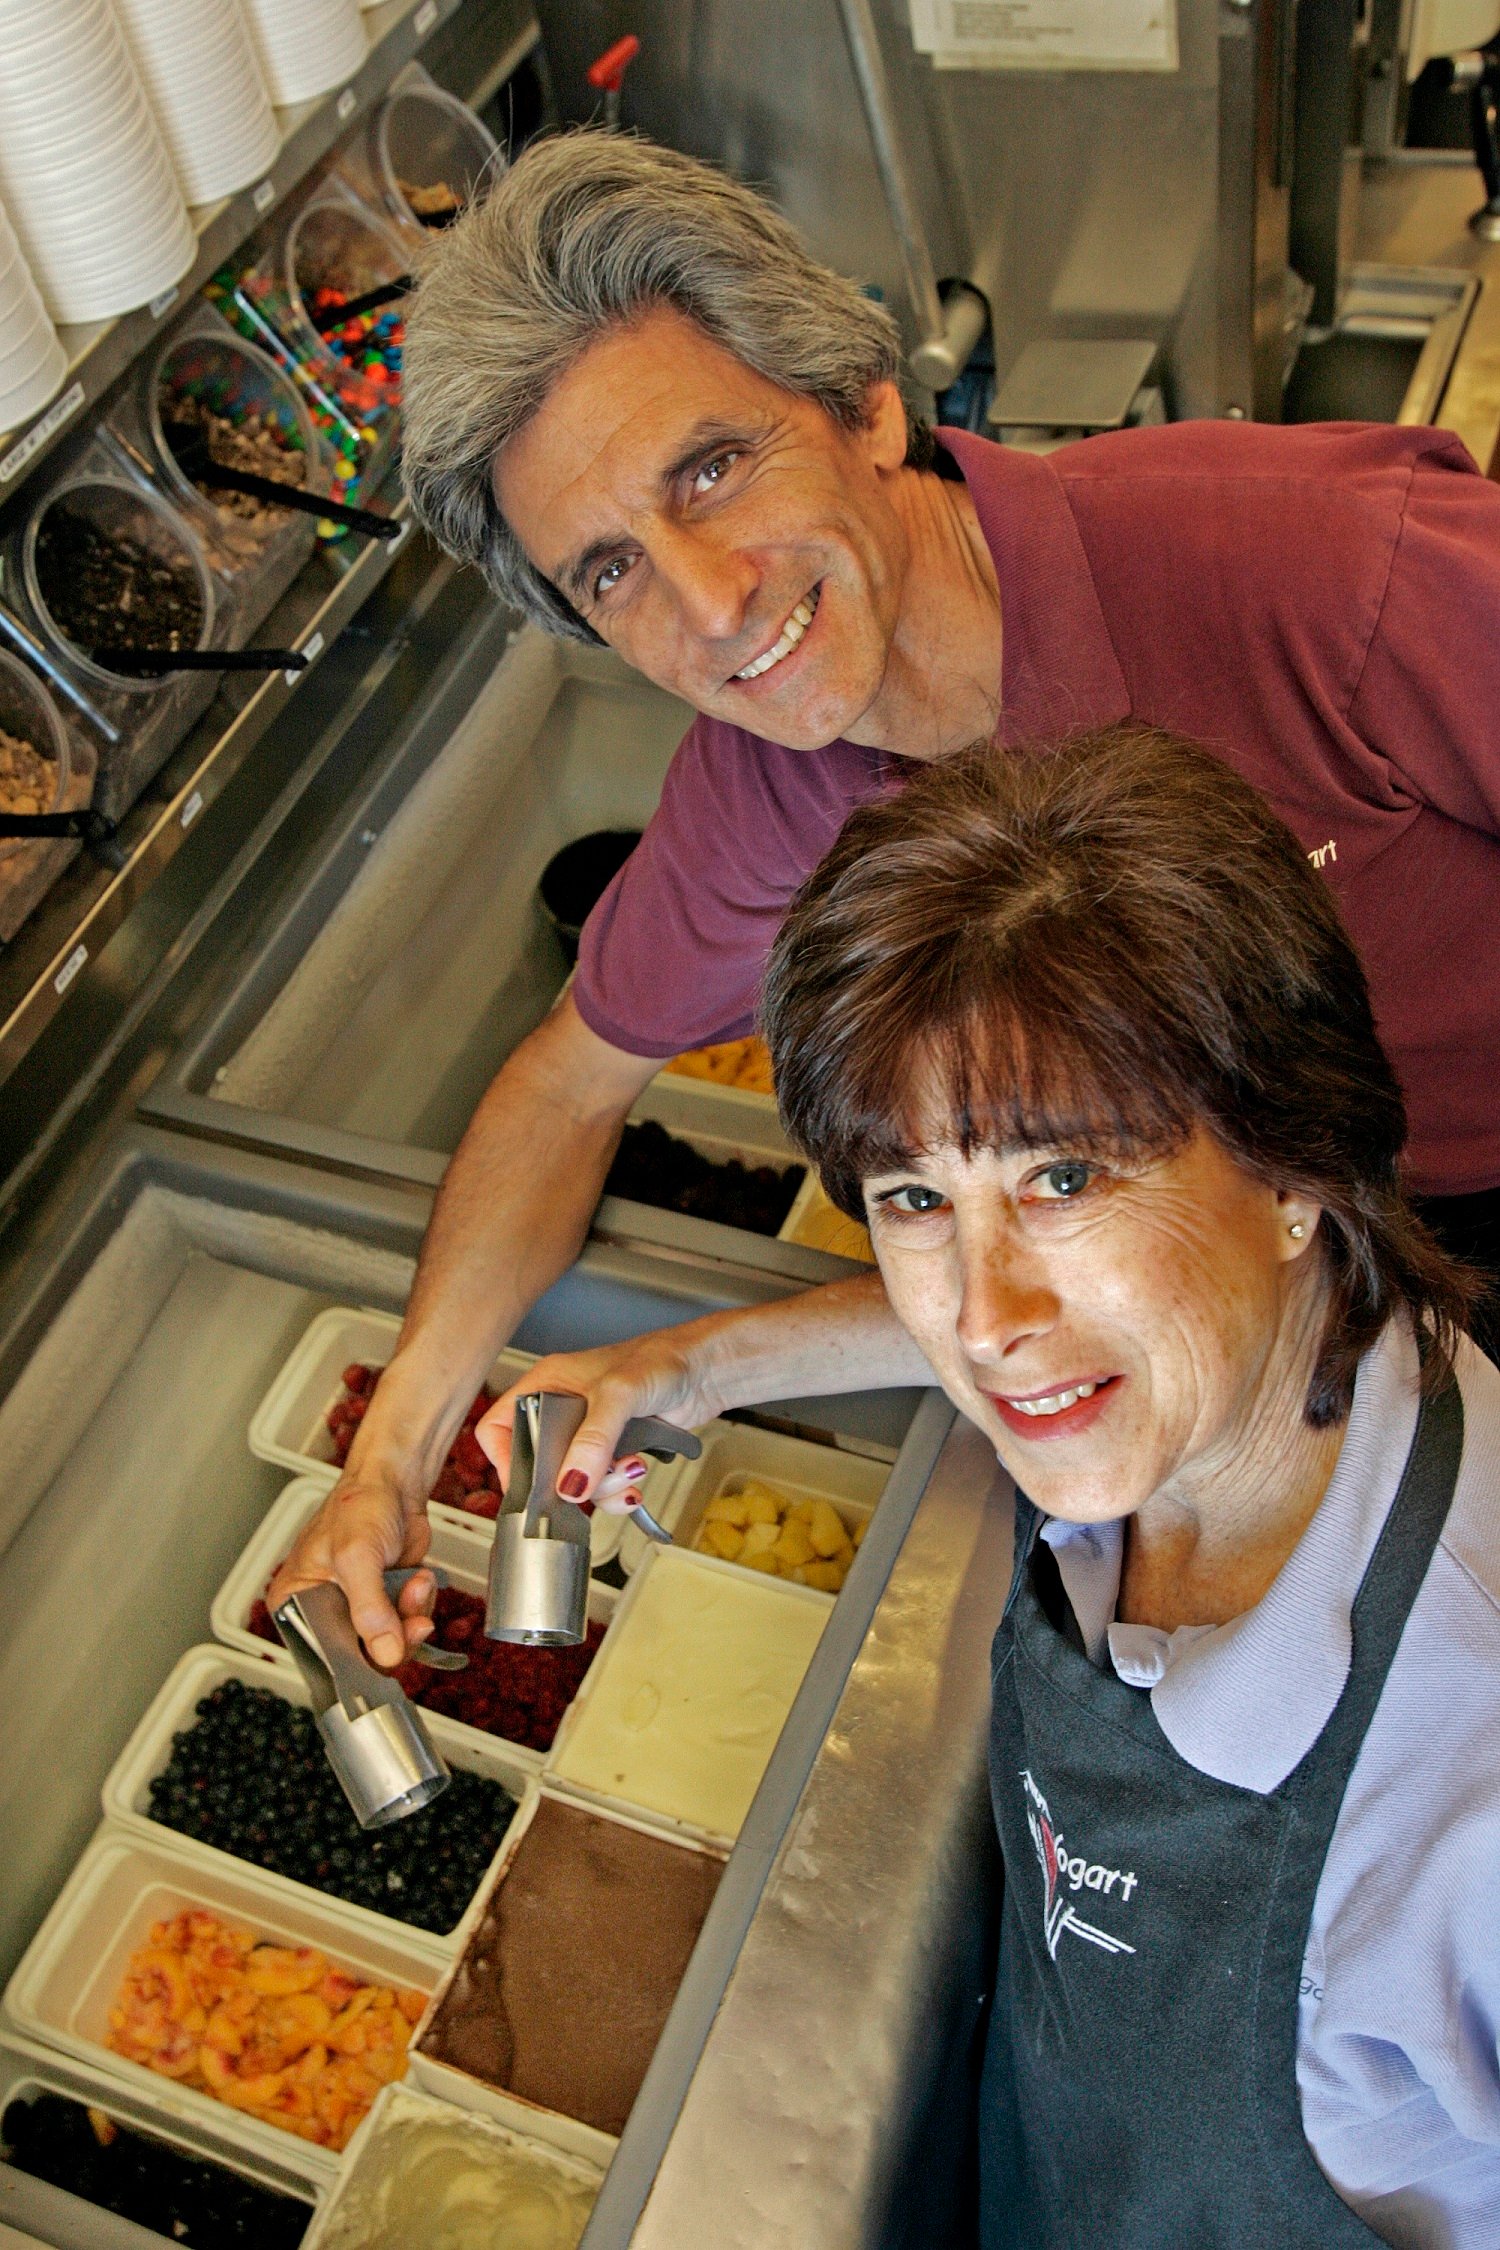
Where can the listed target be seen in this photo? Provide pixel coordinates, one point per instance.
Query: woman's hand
(842, 1337)
(664, 1373)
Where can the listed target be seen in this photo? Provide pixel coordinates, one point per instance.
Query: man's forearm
(511, 1215)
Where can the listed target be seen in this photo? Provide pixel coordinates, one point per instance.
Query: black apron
(1140, 2083)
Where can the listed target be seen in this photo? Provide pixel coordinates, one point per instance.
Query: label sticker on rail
(312, 649)
(70, 969)
(52, 421)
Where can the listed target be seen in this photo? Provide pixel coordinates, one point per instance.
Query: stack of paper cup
(84, 171)
(32, 361)
(199, 68)
(305, 46)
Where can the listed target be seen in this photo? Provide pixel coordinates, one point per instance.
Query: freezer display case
(143, 1337)
(367, 1022)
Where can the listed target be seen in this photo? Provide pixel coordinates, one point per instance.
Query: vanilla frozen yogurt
(434, 2176)
(691, 1690)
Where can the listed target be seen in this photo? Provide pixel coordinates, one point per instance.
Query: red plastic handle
(607, 75)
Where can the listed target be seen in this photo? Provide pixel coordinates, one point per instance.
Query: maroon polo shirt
(1320, 606)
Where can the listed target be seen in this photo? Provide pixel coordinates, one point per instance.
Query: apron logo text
(1074, 1870)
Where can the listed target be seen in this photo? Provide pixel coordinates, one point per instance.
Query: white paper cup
(199, 68)
(305, 48)
(84, 171)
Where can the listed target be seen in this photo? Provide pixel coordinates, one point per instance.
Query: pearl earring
(1296, 1230)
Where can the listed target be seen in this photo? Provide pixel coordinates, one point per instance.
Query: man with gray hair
(641, 408)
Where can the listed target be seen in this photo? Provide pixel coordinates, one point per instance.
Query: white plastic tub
(575, 1752)
(290, 1426)
(460, 1549)
(746, 1124)
(127, 1786)
(821, 1225)
(400, 2112)
(734, 1451)
(720, 1138)
(27, 2068)
(62, 1992)
(477, 2094)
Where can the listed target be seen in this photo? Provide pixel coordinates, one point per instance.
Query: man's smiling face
(725, 536)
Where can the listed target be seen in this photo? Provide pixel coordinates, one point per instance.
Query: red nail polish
(574, 1485)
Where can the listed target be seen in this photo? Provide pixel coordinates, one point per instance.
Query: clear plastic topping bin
(335, 241)
(424, 156)
(29, 714)
(136, 723)
(205, 368)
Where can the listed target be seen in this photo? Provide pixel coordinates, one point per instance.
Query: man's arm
(511, 1215)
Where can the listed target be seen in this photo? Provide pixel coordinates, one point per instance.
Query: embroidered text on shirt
(1059, 1867)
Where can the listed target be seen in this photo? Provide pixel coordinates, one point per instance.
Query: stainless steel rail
(818, 2093)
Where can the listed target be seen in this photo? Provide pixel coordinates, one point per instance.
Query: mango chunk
(827, 1577)
(826, 1530)
(730, 1507)
(795, 1545)
(721, 1539)
(761, 1505)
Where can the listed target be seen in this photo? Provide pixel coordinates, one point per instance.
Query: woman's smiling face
(1110, 1324)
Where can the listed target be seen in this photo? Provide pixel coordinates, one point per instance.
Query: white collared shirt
(1397, 2060)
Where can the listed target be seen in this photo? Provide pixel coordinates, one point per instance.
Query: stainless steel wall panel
(1084, 203)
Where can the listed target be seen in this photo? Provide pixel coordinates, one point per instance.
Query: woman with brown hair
(1080, 1037)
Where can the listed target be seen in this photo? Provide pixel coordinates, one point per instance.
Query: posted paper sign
(1047, 34)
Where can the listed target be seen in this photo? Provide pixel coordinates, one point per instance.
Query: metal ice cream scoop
(376, 1741)
(539, 1564)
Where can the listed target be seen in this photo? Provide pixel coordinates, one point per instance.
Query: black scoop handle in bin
(373, 525)
(329, 317)
(191, 452)
(92, 826)
(151, 663)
